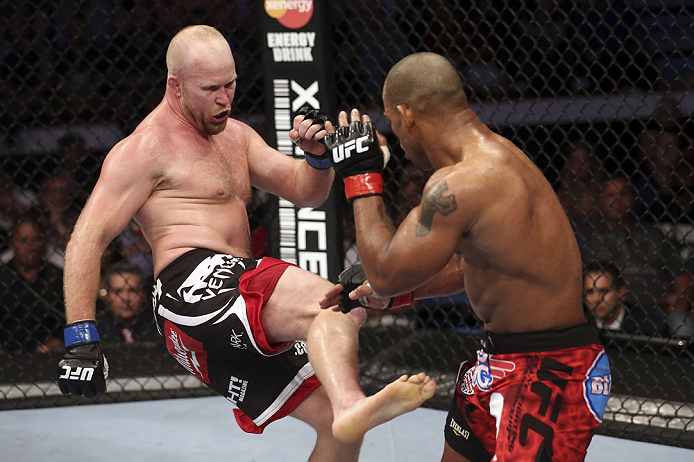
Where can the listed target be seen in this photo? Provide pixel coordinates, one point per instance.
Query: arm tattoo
(432, 202)
(385, 219)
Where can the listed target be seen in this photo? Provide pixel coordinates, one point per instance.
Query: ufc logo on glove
(84, 369)
(80, 373)
(362, 173)
(344, 151)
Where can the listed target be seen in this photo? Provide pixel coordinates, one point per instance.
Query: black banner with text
(294, 57)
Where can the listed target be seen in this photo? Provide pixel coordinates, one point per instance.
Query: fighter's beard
(213, 128)
(207, 126)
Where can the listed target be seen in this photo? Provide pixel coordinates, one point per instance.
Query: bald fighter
(489, 224)
(245, 328)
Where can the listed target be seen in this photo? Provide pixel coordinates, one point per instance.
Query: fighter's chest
(210, 174)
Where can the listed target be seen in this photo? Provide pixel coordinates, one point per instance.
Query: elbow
(316, 188)
(314, 199)
(314, 202)
(384, 287)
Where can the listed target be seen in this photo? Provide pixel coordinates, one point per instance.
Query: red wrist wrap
(364, 184)
(402, 300)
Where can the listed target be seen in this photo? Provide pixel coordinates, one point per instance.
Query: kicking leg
(293, 312)
(316, 411)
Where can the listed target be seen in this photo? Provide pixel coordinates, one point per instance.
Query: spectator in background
(604, 297)
(677, 305)
(31, 312)
(648, 261)
(14, 202)
(63, 194)
(58, 201)
(126, 318)
(76, 166)
(133, 247)
(580, 181)
(664, 180)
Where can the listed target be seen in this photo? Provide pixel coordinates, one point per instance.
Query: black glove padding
(83, 370)
(354, 150)
(319, 117)
(351, 278)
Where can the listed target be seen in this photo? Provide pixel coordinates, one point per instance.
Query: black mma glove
(356, 156)
(353, 277)
(318, 162)
(83, 369)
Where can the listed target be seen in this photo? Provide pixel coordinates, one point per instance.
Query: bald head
(195, 47)
(425, 82)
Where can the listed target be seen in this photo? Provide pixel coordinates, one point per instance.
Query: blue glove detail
(318, 162)
(81, 332)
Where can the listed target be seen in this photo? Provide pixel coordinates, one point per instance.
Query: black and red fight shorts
(535, 396)
(207, 305)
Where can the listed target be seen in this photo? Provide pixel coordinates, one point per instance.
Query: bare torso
(522, 266)
(200, 194)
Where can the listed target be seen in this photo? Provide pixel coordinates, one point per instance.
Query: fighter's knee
(359, 316)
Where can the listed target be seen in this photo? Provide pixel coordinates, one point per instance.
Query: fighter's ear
(174, 83)
(406, 115)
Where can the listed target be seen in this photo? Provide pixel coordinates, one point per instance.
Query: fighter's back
(522, 264)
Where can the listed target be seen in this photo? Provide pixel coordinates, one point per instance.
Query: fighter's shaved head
(194, 45)
(426, 82)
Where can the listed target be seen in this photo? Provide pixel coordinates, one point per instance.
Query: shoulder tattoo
(436, 200)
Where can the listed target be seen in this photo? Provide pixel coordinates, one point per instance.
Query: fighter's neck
(172, 106)
(455, 139)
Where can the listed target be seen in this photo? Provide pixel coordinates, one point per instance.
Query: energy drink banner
(295, 59)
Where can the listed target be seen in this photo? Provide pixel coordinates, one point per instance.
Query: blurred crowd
(78, 62)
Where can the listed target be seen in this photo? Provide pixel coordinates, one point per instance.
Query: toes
(429, 389)
(419, 378)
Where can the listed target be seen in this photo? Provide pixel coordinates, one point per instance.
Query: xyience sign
(295, 75)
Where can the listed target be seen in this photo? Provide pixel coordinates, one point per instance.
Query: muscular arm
(448, 281)
(125, 183)
(397, 261)
(286, 177)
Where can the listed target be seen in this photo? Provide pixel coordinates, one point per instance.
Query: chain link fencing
(597, 93)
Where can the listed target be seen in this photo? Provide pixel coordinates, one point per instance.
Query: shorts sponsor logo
(458, 430)
(188, 352)
(483, 375)
(530, 420)
(207, 280)
(236, 340)
(300, 348)
(237, 390)
(500, 367)
(466, 387)
(597, 385)
(487, 369)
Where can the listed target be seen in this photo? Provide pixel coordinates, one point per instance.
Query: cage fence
(597, 93)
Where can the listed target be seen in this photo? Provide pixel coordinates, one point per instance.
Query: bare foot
(403, 395)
